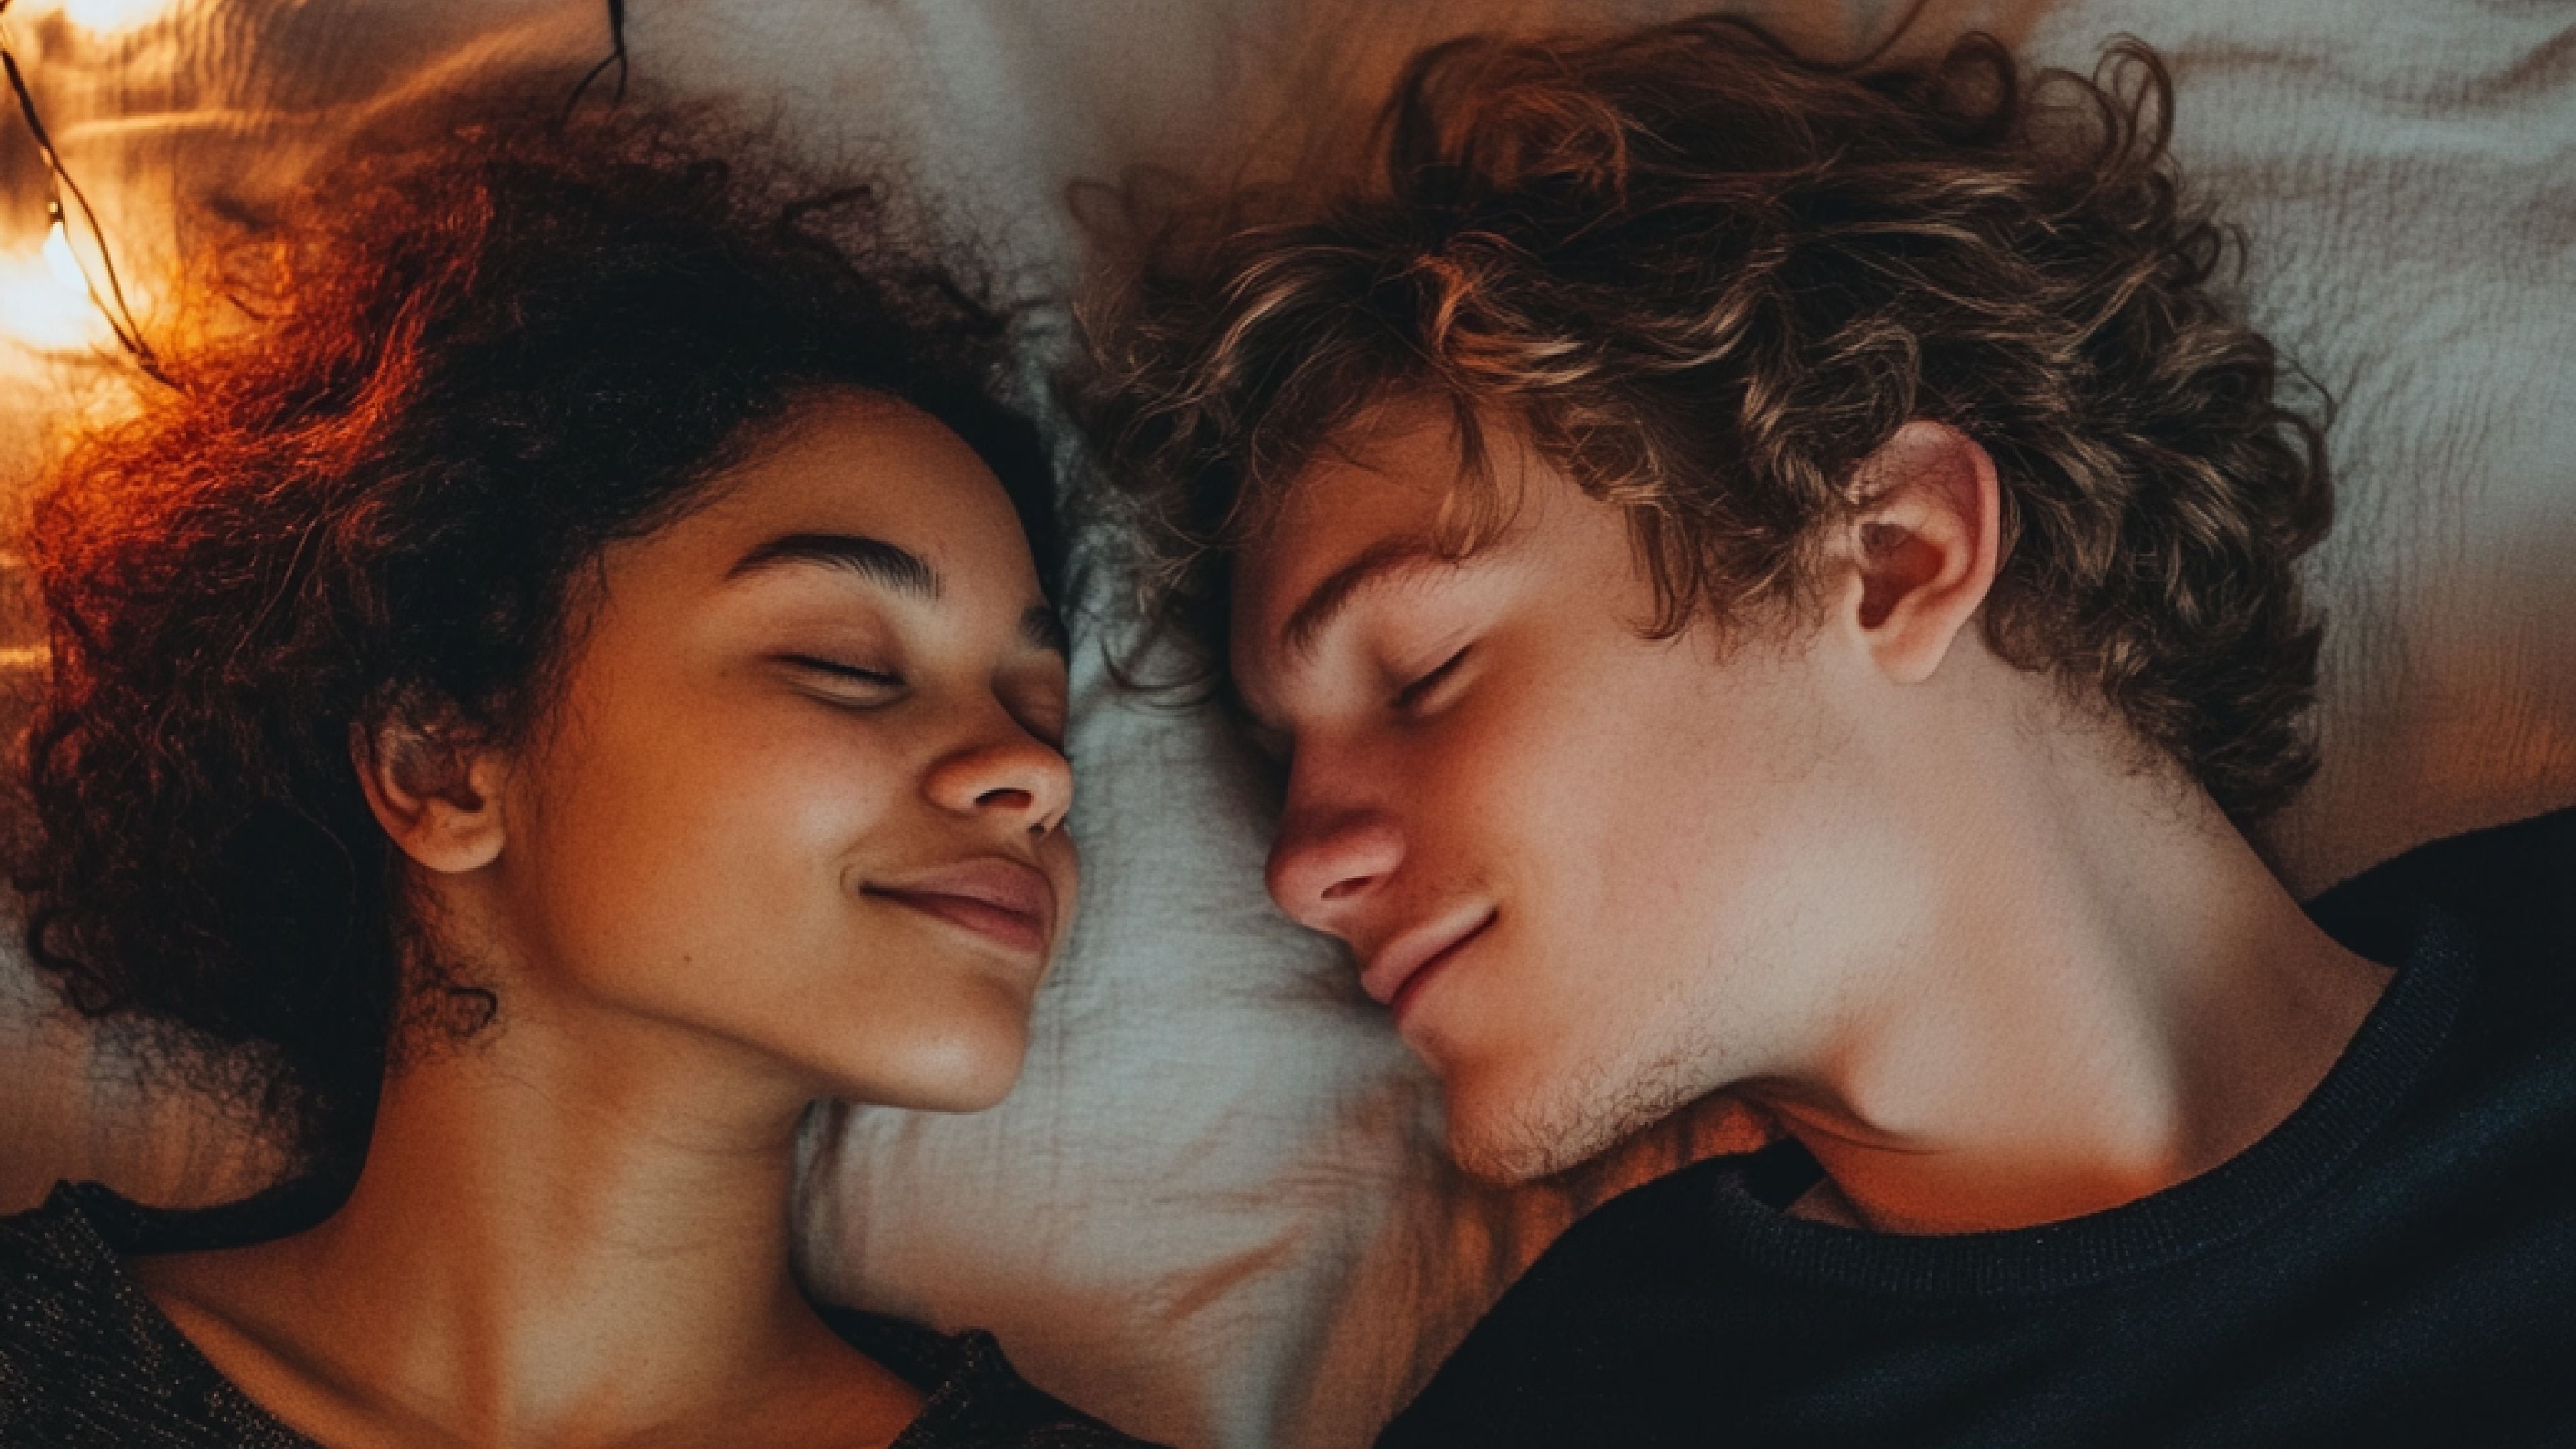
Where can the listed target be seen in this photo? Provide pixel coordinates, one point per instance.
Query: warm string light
(52, 301)
(58, 255)
(36, 314)
(45, 301)
(101, 17)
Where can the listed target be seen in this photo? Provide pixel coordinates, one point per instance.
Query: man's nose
(1328, 863)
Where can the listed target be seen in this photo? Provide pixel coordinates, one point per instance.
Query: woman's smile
(998, 899)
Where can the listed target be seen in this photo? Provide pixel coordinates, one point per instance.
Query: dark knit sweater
(86, 1359)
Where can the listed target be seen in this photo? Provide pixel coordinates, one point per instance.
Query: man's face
(1596, 876)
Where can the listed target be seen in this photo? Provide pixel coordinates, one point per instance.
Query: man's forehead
(1393, 494)
(1339, 508)
(1401, 468)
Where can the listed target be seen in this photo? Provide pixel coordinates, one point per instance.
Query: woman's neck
(574, 1231)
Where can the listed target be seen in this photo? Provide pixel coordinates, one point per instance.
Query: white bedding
(1215, 1211)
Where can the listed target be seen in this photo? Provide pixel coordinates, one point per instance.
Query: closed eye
(837, 670)
(1414, 693)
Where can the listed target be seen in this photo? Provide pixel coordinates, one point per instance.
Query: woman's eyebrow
(1043, 628)
(893, 566)
(896, 568)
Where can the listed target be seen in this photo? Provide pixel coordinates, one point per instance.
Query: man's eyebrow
(1380, 560)
(896, 568)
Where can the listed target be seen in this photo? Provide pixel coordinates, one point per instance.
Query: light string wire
(616, 56)
(58, 184)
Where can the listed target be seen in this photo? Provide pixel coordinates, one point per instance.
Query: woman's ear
(1922, 553)
(438, 798)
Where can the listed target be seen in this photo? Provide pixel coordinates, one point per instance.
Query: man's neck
(2111, 994)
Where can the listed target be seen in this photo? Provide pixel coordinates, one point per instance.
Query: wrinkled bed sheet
(1215, 1210)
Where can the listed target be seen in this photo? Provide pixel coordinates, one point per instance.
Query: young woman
(565, 680)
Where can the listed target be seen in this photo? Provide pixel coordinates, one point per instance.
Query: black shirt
(86, 1359)
(2394, 1264)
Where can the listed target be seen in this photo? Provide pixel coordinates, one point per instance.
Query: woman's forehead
(858, 464)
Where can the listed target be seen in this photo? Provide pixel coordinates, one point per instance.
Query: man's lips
(1000, 899)
(1412, 956)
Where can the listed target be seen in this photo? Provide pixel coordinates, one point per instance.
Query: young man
(1779, 583)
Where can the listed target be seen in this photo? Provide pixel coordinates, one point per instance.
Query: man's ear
(438, 798)
(1923, 551)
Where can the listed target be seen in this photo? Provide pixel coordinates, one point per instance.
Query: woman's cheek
(833, 787)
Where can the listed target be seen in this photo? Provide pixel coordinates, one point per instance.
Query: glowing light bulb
(101, 17)
(60, 261)
(44, 298)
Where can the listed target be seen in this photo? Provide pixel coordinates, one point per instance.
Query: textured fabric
(86, 1359)
(2391, 1265)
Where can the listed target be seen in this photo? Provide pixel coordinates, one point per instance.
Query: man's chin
(1507, 1144)
(1511, 1134)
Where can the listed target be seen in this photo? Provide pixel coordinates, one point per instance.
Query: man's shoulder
(1693, 1297)
(2513, 886)
(1623, 1331)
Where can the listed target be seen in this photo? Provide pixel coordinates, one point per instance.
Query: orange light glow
(59, 258)
(100, 17)
(45, 302)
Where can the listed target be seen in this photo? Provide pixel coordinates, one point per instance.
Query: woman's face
(802, 790)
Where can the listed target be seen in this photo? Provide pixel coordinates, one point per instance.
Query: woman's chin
(968, 1064)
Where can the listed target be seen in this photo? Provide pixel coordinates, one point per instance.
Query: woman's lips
(1002, 900)
(1010, 928)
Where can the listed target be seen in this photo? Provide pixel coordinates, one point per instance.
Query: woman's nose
(1014, 775)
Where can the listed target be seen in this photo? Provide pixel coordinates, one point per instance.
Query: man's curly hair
(445, 378)
(1707, 279)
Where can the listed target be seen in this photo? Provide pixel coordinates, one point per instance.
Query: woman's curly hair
(1708, 279)
(449, 374)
